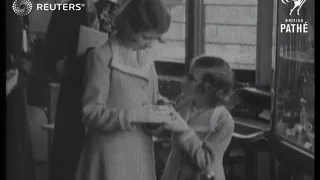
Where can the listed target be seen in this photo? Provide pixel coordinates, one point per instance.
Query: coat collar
(141, 72)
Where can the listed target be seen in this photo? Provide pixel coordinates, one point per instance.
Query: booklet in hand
(159, 115)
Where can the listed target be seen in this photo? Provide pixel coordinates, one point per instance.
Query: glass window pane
(295, 74)
(173, 50)
(230, 31)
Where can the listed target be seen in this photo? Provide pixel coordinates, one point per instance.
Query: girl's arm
(202, 152)
(97, 82)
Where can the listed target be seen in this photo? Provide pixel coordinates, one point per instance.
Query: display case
(293, 85)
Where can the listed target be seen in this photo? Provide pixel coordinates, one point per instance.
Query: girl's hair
(143, 16)
(217, 76)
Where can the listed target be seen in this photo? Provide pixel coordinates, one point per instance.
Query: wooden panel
(232, 2)
(264, 43)
(178, 13)
(231, 31)
(231, 34)
(241, 15)
(171, 51)
(238, 56)
(239, 49)
(177, 31)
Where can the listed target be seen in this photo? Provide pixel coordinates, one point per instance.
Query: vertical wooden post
(194, 30)
(264, 43)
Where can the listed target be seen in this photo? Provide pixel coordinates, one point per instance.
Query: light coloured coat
(201, 148)
(116, 88)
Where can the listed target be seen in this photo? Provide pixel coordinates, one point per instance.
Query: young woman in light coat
(120, 93)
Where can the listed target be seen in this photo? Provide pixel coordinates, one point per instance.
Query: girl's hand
(11, 80)
(162, 110)
(177, 123)
(165, 101)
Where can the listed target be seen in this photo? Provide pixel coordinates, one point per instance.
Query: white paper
(89, 37)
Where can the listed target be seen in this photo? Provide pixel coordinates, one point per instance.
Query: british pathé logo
(297, 5)
(294, 25)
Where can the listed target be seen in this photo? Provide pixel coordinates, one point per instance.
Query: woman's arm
(97, 82)
(96, 113)
(202, 152)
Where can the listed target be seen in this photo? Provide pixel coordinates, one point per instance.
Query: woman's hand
(177, 123)
(11, 80)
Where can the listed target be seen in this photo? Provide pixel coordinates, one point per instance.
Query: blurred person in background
(61, 42)
(19, 156)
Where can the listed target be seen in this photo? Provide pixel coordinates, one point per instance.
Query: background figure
(61, 44)
(20, 165)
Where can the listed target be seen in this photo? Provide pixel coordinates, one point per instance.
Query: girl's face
(190, 83)
(142, 40)
(190, 87)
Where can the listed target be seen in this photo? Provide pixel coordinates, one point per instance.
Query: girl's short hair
(217, 74)
(144, 16)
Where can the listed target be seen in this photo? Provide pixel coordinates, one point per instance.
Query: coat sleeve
(96, 113)
(202, 152)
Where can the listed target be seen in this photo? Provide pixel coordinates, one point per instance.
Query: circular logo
(22, 7)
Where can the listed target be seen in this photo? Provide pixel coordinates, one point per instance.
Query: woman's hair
(144, 16)
(217, 75)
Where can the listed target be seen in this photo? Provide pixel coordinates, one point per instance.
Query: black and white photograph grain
(160, 90)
